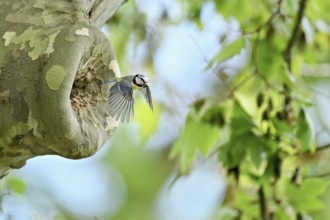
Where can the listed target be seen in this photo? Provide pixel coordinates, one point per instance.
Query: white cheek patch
(139, 81)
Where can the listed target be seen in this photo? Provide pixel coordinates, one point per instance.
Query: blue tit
(121, 101)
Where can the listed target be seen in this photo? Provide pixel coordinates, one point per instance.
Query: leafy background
(240, 128)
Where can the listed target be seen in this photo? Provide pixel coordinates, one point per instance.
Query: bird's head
(140, 81)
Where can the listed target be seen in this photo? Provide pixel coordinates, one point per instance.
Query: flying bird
(121, 101)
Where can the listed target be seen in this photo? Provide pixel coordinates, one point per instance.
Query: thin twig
(321, 175)
(256, 64)
(322, 148)
(256, 44)
(317, 150)
(296, 175)
(294, 34)
(262, 204)
(268, 21)
(221, 76)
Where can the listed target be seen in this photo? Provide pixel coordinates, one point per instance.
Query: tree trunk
(53, 60)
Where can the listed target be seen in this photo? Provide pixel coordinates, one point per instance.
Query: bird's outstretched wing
(121, 101)
(147, 94)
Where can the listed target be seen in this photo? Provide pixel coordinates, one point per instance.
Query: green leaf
(270, 59)
(198, 104)
(244, 202)
(242, 139)
(272, 65)
(240, 112)
(274, 167)
(248, 13)
(17, 185)
(318, 10)
(282, 127)
(194, 10)
(241, 121)
(305, 133)
(228, 51)
(304, 198)
(195, 136)
(282, 213)
(255, 145)
(232, 153)
(215, 116)
(227, 213)
(314, 187)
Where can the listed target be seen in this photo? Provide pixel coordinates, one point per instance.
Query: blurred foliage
(261, 130)
(147, 120)
(265, 110)
(144, 173)
(197, 136)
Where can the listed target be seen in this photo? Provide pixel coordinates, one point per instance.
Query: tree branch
(294, 34)
(102, 10)
(52, 61)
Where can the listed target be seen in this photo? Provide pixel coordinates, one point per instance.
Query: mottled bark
(53, 60)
